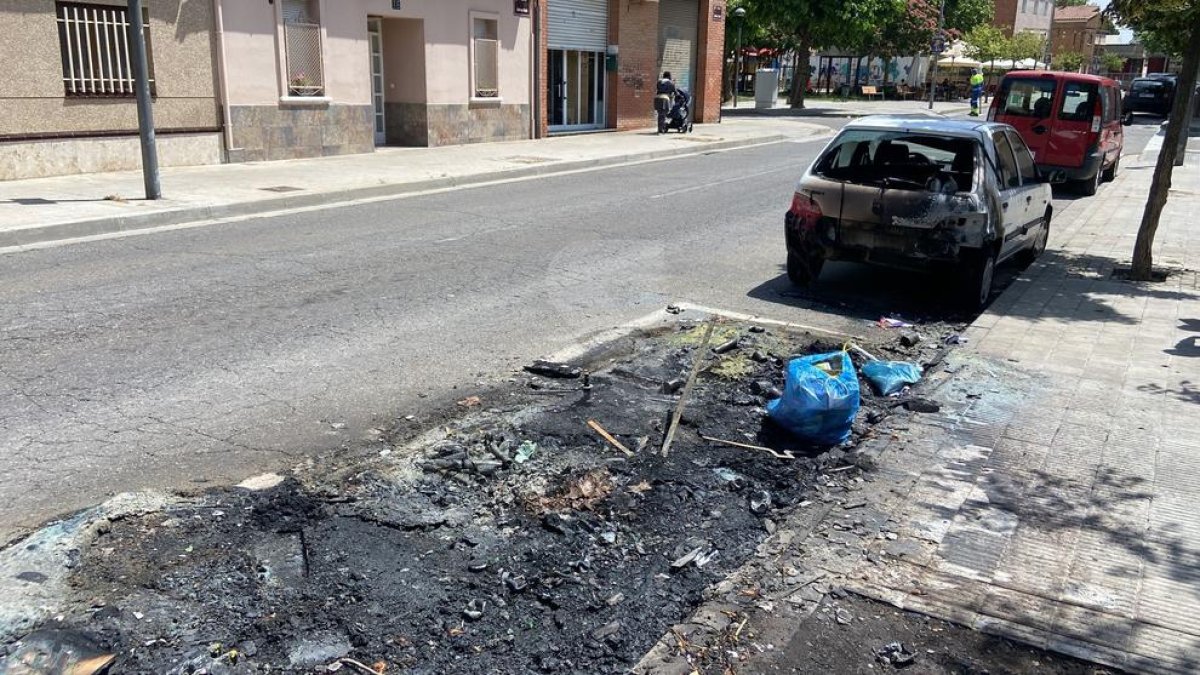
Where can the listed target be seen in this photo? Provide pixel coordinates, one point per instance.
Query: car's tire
(1090, 186)
(803, 270)
(1031, 253)
(977, 272)
(1110, 174)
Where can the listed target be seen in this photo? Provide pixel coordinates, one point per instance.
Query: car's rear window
(1022, 97)
(1151, 86)
(902, 160)
(1078, 101)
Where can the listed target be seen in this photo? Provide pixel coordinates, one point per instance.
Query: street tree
(986, 43)
(1174, 26)
(1068, 61)
(906, 28)
(1113, 63)
(964, 15)
(1026, 45)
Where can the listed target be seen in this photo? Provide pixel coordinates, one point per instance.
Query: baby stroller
(674, 111)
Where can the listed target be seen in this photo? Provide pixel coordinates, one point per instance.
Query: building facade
(1016, 16)
(67, 100)
(599, 60)
(1078, 30)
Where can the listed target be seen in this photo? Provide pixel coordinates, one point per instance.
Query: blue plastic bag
(889, 377)
(820, 398)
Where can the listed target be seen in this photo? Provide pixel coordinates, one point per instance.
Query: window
(1027, 97)
(1024, 6)
(1079, 102)
(96, 56)
(485, 47)
(302, 47)
(898, 160)
(1024, 158)
(1010, 176)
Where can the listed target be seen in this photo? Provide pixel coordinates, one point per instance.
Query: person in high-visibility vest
(976, 91)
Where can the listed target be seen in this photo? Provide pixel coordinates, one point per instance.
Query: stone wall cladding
(633, 26)
(458, 124)
(710, 56)
(407, 124)
(267, 133)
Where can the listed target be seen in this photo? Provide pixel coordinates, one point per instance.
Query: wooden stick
(595, 426)
(687, 387)
(787, 454)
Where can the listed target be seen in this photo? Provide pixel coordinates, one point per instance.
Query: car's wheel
(978, 271)
(1026, 257)
(1090, 186)
(1110, 174)
(803, 270)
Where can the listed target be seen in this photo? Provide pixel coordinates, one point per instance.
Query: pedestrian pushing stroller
(674, 111)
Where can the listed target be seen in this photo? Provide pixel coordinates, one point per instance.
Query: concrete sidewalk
(1052, 499)
(829, 107)
(51, 209)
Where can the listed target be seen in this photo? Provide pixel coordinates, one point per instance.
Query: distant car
(920, 192)
(1153, 95)
(1071, 122)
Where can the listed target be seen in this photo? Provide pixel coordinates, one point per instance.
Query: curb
(829, 113)
(191, 214)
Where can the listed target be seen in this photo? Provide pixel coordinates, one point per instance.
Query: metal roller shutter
(578, 24)
(677, 26)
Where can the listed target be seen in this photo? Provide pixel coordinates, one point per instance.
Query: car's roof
(926, 124)
(1059, 75)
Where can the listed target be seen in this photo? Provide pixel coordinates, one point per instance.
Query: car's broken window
(900, 160)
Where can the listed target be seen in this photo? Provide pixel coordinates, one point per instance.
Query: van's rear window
(1027, 97)
(1079, 101)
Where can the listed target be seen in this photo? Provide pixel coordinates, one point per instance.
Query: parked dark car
(916, 192)
(1152, 95)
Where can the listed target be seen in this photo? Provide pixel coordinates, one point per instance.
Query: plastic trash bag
(820, 398)
(889, 377)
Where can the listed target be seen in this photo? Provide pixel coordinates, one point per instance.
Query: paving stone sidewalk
(1051, 500)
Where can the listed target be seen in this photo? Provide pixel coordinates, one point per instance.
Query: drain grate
(281, 188)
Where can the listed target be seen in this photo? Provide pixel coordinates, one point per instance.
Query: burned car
(920, 192)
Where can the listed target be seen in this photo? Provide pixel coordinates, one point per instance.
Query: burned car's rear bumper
(888, 245)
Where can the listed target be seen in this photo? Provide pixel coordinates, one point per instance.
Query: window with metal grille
(96, 56)
(302, 43)
(486, 58)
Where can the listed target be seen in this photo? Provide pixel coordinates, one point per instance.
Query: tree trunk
(800, 80)
(1160, 185)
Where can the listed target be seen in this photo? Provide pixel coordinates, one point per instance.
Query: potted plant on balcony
(300, 85)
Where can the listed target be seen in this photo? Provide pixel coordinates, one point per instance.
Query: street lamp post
(740, 15)
(940, 40)
(145, 112)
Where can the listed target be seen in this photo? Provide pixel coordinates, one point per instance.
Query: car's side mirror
(1054, 176)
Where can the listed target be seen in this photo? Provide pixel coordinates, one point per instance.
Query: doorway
(576, 90)
(375, 37)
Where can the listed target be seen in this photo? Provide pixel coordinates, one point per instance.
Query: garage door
(677, 20)
(578, 24)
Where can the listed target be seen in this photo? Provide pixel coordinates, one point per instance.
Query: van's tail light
(992, 109)
(805, 211)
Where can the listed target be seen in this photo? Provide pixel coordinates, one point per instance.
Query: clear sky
(1126, 34)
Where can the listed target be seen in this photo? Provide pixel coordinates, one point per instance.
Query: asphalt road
(183, 358)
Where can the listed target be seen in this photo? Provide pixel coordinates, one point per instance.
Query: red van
(1071, 122)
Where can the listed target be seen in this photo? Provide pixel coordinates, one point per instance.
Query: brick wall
(1005, 17)
(632, 94)
(710, 57)
(541, 87)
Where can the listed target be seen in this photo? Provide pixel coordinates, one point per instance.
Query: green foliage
(964, 15)
(907, 27)
(1070, 3)
(1113, 63)
(1068, 61)
(1027, 45)
(1170, 25)
(987, 43)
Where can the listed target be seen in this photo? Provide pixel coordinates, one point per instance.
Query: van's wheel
(1026, 257)
(978, 272)
(803, 270)
(1110, 174)
(1090, 186)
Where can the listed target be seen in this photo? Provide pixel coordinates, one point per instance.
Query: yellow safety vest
(977, 80)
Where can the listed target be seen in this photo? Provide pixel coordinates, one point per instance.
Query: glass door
(576, 90)
(375, 34)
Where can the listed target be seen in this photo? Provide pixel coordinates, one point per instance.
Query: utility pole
(939, 40)
(145, 111)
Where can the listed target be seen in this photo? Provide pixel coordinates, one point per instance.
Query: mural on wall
(840, 70)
